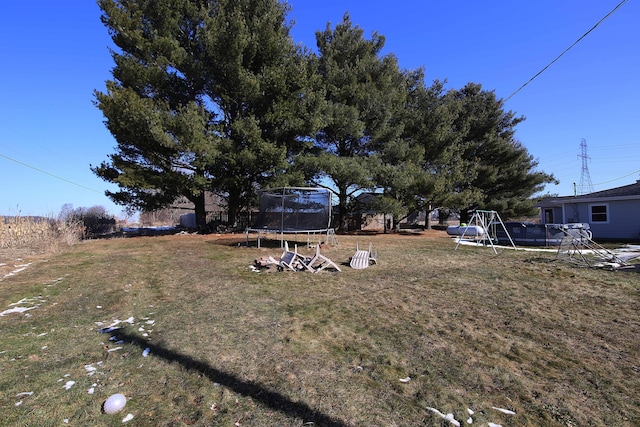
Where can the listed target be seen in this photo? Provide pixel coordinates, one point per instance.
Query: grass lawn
(514, 339)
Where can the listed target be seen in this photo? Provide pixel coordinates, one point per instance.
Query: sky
(56, 54)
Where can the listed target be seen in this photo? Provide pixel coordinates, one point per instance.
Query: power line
(566, 50)
(616, 179)
(26, 138)
(50, 174)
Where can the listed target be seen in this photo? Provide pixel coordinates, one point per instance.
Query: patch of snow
(16, 310)
(146, 352)
(23, 301)
(69, 384)
(114, 349)
(129, 417)
(20, 267)
(504, 411)
(494, 425)
(112, 327)
(28, 300)
(24, 393)
(448, 417)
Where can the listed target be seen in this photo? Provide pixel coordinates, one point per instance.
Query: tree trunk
(200, 211)
(342, 209)
(233, 208)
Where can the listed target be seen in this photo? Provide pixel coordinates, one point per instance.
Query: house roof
(365, 201)
(212, 203)
(626, 191)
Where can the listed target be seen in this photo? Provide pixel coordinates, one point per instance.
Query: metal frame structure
(290, 207)
(578, 247)
(487, 221)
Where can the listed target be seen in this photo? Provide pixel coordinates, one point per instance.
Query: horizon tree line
(214, 95)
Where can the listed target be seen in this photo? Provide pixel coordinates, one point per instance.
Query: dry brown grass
(37, 235)
(521, 331)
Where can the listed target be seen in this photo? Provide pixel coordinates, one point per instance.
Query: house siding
(621, 217)
(623, 221)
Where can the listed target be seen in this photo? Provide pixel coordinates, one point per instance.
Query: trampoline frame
(329, 233)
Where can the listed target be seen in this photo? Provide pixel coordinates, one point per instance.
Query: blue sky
(55, 54)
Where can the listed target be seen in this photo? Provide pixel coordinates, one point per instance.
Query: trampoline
(294, 210)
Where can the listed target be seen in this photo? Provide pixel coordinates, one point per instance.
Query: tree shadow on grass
(255, 391)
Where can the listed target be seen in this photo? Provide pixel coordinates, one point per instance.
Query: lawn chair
(363, 259)
(290, 260)
(319, 262)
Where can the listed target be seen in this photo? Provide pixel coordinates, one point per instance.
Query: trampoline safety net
(294, 209)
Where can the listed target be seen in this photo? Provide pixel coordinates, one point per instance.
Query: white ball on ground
(114, 403)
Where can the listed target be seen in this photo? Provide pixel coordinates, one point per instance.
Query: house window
(599, 213)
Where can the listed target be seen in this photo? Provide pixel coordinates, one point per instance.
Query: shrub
(96, 220)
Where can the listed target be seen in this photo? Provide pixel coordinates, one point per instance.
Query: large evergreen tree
(206, 95)
(214, 95)
(421, 170)
(399, 175)
(458, 151)
(154, 106)
(445, 171)
(259, 83)
(362, 89)
(505, 173)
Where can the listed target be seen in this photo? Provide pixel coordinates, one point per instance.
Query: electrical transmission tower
(585, 186)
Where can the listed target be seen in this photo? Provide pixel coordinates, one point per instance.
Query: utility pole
(585, 186)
